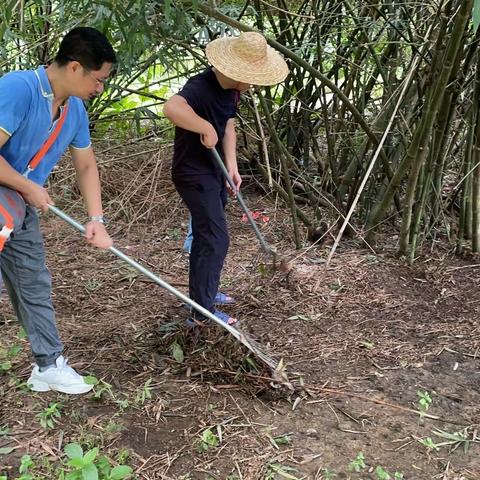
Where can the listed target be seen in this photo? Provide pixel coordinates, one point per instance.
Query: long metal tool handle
(235, 332)
(261, 239)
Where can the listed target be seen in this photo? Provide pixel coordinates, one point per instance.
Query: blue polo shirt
(26, 100)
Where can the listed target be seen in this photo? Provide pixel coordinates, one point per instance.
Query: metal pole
(235, 332)
(267, 249)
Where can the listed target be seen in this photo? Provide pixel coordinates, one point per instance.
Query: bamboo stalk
(418, 150)
(475, 183)
(464, 203)
(372, 163)
(285, 171)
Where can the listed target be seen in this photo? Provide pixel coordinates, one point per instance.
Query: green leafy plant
(174, 234)
(5, 366)
(358, 463)
(207, 441)
(123, 404)
(429, 443)
(262, 269)
(76, 465)
(6, 356)
(250, 364)
(328, 474)
(91, 380)
(114, 427)
(372, 259)
(13, 351)
(282, 440)
(26, 464)
(93, 284)
(145, 393)
(276, 470)
(101, 390)
(456, 439)
(123, 455)
(424, 400)
(86, 466)
(382, 474)
(50, 415)
(128, 274)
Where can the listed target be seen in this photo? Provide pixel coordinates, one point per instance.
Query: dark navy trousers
(205, 197)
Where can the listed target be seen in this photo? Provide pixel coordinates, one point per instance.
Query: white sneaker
(61, 378)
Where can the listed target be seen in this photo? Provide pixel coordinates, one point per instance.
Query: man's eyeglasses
(98, 81)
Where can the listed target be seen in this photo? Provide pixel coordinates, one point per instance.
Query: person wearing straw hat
(204, 114)
(41, 115)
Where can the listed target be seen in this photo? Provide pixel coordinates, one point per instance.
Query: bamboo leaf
(476, 15)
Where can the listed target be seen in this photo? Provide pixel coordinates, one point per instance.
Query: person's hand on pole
(97, 235)
(237, 181)
(37, 196)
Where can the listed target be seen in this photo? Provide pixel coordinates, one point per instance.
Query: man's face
(91, 83)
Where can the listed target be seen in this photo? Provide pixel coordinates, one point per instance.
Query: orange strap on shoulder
(49, 142)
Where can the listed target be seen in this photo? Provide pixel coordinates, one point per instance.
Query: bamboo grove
(379, 116)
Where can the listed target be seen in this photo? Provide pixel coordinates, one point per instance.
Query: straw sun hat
(247, 59)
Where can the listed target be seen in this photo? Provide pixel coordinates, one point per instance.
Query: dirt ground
(368, 338)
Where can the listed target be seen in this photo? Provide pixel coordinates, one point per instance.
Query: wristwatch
(98, 218)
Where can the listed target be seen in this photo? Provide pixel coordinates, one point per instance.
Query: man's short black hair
(87, 46)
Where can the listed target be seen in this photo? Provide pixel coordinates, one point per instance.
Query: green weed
(101, 390)
(328, 474)
(456, 439)
(50, 415)
(425, 400)
(145, 393)
(429, 443)
(282, 440)
(208, 440)
(277, 470)
(358, 463)
(86, 466)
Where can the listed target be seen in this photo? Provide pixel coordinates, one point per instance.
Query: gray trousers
(28, 283)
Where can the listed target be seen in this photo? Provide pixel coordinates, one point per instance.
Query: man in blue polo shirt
(31, 104)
